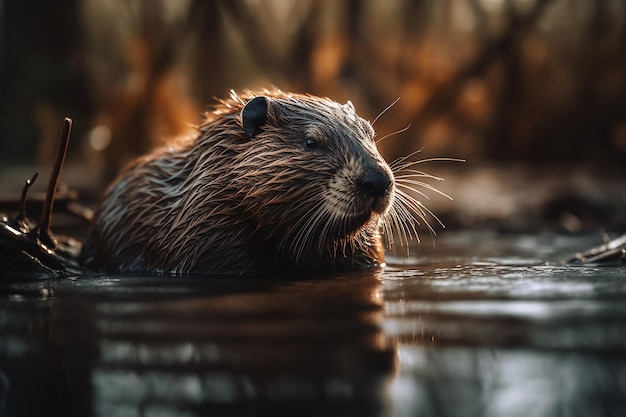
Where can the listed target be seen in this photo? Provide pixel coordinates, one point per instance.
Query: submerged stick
(46, 214)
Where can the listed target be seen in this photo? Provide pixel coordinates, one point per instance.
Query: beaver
(272, 182)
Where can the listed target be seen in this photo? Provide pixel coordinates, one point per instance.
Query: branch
(46, 214)
(21, 217)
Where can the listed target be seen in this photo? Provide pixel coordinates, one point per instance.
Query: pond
(482, 324)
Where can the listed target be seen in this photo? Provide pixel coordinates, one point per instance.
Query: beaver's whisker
(438, 159)
(400, 185)
(306, 236)
(391, 227)
(394, 231)
(410, 223)
(394, 226)
(407, 217)
(406, 173)
(396, 162)
(326, 225)
(331, 232)
(401, 228)
(301, 228)
(299, 244)
(388, 230)
(397, 132)
(405, 184)
(401, 164)
(342, 242)
(420, 208)
(411, 207)
(397, 226)
(385, 110)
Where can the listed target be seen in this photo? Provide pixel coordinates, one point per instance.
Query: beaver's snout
(376, 183)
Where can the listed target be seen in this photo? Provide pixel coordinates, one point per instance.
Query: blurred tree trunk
(41, 69)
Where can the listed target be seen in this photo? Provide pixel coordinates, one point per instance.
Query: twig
(21, 218)
(46, 214)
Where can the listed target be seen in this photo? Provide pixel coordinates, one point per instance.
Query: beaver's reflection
(307, 347)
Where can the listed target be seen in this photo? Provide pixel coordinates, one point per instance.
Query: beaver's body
(272, 183)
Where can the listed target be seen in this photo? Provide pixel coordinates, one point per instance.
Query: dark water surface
(481, 325)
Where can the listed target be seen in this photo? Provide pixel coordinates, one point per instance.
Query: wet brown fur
(223, 202)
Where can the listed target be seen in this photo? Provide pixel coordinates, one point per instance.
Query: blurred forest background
(524, 87)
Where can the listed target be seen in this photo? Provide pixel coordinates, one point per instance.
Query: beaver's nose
(375, 182)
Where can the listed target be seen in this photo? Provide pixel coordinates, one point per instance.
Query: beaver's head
(311, 174)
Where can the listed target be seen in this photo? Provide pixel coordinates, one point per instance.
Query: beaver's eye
(310, 143)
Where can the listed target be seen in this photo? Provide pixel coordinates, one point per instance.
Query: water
(481, 325)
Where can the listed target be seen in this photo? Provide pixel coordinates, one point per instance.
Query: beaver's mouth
(352, 203)
(370, 209)
(380, 204)
(336, 221)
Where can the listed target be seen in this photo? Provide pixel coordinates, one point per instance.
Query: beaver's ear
(254, 115)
